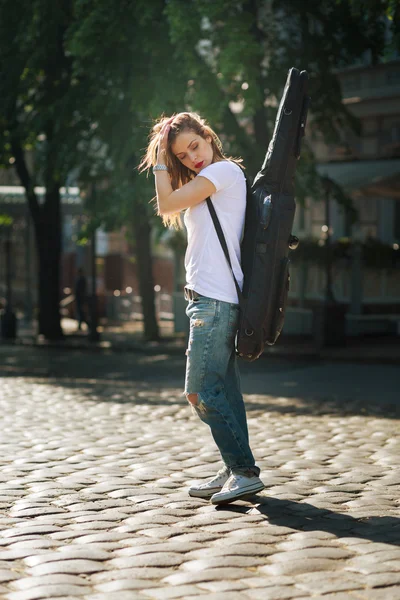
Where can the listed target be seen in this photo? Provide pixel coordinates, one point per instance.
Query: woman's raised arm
(190, 194)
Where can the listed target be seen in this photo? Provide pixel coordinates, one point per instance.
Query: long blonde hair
(185, 121)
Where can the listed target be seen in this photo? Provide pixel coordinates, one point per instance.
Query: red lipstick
(198, 165)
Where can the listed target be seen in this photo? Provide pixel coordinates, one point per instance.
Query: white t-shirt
(207, 270)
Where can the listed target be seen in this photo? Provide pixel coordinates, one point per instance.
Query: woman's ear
(209, 139)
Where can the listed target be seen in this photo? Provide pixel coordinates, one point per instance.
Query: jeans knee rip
(196, 402)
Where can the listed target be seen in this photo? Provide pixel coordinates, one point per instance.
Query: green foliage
(135, 81)
(40, 99)
(82, 81)
(236, 55)
(6, 220)
(382, 25)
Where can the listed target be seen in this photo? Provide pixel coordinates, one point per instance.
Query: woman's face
(192, 150)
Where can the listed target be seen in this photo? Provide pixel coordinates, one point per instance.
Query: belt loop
(190, 295)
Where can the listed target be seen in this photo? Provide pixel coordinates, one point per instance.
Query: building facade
(367, 168)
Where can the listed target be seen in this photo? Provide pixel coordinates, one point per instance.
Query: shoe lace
(222, 472)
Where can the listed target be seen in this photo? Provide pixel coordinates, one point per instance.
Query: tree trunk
(48, 230)
(142, 231)
(48, 241)
(260, 118)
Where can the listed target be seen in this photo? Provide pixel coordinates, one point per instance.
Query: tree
(80, 72)
(39, 97)
(241, 50)
(64, 94)
(136, 79)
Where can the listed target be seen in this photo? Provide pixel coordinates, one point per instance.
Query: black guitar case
(269, 219)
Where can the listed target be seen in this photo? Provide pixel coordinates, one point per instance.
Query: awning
(13, 199)
(370, 177)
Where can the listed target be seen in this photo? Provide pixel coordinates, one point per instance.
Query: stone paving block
(300, 544)
(382, 579)
(386, 593)
(71, 534)
(7, 575)
(48, 591)
(36, 512)
(26, 583)
(339, 596)
(275, 593)
(30, 530)
(222, 562)
(221, 528)
(262, 581)
(318, 535)
(229, 595)
(369, 569)
(217, 574)
(366, 560)
(153, 573)
(154, 559)
(190, 536)
(154, 519)
(300, 566)
(392, 565)
(174, 512)
(5, 564)
(96, 537)
(306, 553)
(68, 566)
(126, 584)
(68, 552)
(18, 553)
(169, 546)
(269, 531)
(165, 533)
(359, 546)
(325, 582)
(170, 593)
(95, 526)
(123, 595)
(222, 586)
(391, 554)
(245, 549)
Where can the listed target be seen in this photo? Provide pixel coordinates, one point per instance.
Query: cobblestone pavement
(93, 497)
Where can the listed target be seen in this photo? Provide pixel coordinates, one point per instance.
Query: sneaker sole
(232, 496)
(204, 494)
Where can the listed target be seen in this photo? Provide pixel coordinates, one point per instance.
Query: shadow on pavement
(307, 517)
(277, 385)
(154, 393)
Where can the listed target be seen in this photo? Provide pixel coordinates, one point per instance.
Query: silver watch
(160, 168)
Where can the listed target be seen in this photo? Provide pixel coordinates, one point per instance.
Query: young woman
(189, 166)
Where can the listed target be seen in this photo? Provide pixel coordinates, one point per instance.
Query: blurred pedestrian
(190, 166)
(81, 298)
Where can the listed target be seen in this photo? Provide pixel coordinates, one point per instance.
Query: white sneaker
(207, 489)
(237, 487)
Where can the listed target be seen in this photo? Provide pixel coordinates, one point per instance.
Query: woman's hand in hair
(163, 140)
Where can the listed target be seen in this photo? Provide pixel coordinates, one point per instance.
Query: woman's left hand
(162, 144)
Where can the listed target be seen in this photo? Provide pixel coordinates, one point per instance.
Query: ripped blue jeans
(212, 373)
